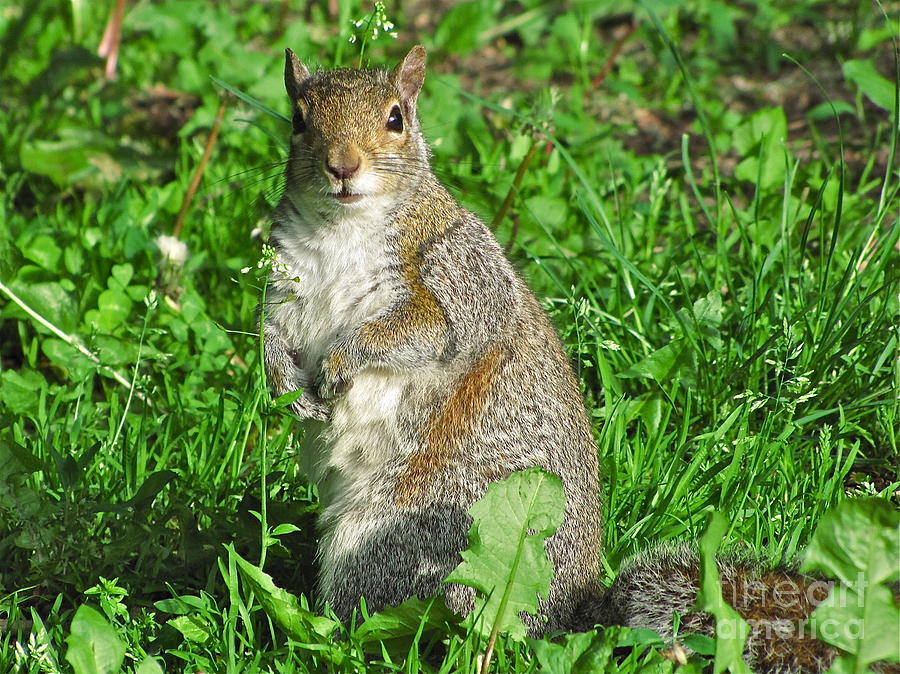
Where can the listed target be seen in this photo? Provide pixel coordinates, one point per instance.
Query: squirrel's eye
(395, 120)
(297, 121)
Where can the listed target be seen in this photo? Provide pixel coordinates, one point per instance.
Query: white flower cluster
(377, 21)
(272, 259)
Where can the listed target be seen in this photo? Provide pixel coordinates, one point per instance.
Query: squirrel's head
(355, 133)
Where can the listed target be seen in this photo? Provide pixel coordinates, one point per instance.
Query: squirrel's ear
(409, 75)
(294, 74)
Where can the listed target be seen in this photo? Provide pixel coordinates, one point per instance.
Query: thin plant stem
(151, 304)
(198, 174)
(263, 439)
(112, 39)
(614, 55)
(514, 188)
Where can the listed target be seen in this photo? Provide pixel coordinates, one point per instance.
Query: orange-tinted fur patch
(420, 314)
(335, 364)
(448, 427)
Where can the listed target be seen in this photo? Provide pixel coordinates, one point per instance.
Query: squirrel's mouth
(345, 196)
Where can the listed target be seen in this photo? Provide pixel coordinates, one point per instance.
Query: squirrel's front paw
(334, 378)
(311, 406)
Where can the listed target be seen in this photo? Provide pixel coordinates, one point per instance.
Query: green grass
(713, 225)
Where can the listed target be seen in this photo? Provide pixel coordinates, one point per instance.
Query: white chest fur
(338, 275)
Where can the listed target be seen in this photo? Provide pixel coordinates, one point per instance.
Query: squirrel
(429, 370)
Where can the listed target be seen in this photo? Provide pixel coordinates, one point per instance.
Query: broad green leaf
(860, 536)
(122, 273)
(114, 307)
(150, 488)
(549, 211)
(761, 139)
(114, 351)
(858, 542)
(406, 620)
(506, 560)
(135, 241)
(699, 643)
(709, 309)
(62, 162)
(762, 125)
(11, 259)
(661, 365)
(582, 653)
(182, 604)
(286, 528)
(193, 627)
(81, 156)
(114, 302)
(73, 258)
(731, 629)
(149, 666)
(708, 312)
(519, 147)
(639, 636)
(848, 619)
(19, 390)
(875, 87)
(94, 647)
(288, 398)
(51, 301)
(844, 664)
(282, 606)
(43, 251)
(824, 111)
(73, 362)
(16, 459)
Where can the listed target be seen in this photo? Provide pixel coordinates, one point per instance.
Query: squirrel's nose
(345, 168)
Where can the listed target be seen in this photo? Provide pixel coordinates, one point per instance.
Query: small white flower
(173, 249)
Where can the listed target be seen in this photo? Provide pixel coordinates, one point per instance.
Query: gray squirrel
(429, 370)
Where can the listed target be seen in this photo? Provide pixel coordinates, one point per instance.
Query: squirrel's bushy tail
(776, 603)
